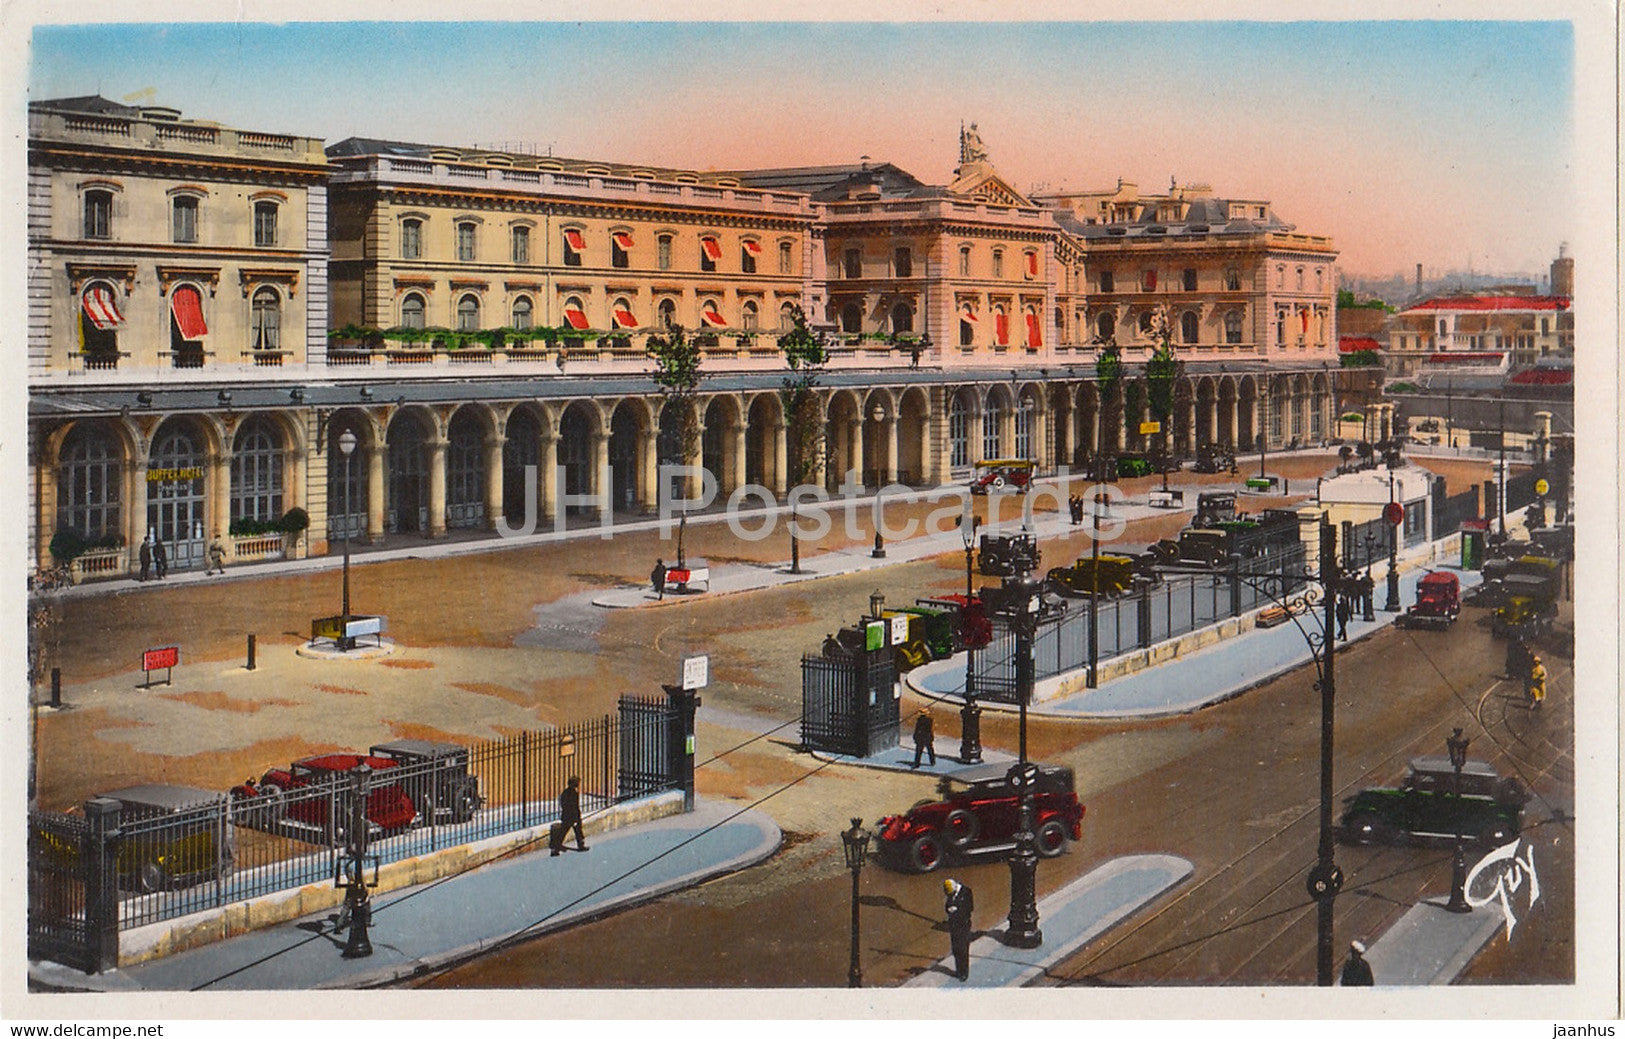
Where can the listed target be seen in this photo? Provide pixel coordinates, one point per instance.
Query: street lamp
(1457, 743)
(1092, 680)
(970, 715)
(855, 842)
(879, 415)
(1022, 930)
(1394, 517)
(877, 603)
(346, 448)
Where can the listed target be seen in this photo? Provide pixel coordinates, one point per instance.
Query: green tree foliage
(805, 357)
(1361, 359)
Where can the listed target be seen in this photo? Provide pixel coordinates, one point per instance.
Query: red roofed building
(1526, 326)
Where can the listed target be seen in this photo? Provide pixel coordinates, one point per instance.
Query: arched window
(468, 313)
(992, 418)
(412, 309)
(958, 432)
(1106, 326)
(1232, 328)
(1001, 328)
(964, 261)
(98, 221)
(256, 472)
(523, 313)
(88, 483)
(852, 318)
(99, 321)
(667, 313)
(747, 315)
(967, 325)
(1024, 429)
(1188, 326)
(411, 239)
(1035, 331)
(266, 320)
(902, 318)
(787, 317)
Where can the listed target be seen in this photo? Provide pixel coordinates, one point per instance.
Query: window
(412, 311)
(266, 318)
(575, 314)
(998, 263)
(1300, 278)
(183, 218)
(663, 251)
(1545, 326)
(1280, 328)
(710, 253)
(958, 433)
(1030, 267)
(747, 257)
(1106, 326)
(620, 313)
(785, 266)
(1035, 332)
(265, 224)
(620, 249)
(1148, 281)
(468, 313)
(1146, 323)
(1320, 278)
(747, 316)
(1232, 328)
(1001, 331)
(1107, 282)
(88, 483)
(465, 241)
(574, 245)
(992, 418)
(667, 313)
(1188, 280)
(902, 318)
(1232, 280)
(1188, 326)
(964, 261)
(903, 262)
(852, 318)
(787, 317)
(1060, 325)
(852, 263)
(523, 313)
(1258, 212)
(1024, 429)
(411, 239)
(98, 214)
(99, 321)
(967, 326)
(256, 473)
(1280, 277)
(521, 245)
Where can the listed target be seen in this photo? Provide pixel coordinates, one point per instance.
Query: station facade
(211, 309)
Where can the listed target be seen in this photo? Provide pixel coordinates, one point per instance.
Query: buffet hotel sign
(174, 475)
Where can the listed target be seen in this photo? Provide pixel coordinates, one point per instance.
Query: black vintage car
(435, 776)
(1007, 555)
(1426, 807)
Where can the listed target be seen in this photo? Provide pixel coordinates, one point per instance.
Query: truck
(1438, 601)
(1525, 591)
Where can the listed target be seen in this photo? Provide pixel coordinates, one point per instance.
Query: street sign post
(696, 672)
(1394, 513)
(164, 658)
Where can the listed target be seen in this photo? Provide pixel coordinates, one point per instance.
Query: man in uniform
(1356, 971)
(958, 905)
(1537, 682)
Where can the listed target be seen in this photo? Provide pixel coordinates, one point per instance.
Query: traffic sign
(1394, 513)
(696, 671)
(1541, 487)
(1151, 427)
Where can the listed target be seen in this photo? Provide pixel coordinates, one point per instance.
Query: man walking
(657, 577)
(1356, 971)
(1343, 611)
(1368, 589)
(569, 816)
(217, 555)
(958, 905)
(160, 559)
(145, 555)
(925, 738)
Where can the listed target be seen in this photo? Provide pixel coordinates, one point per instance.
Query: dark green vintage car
(1426, 808)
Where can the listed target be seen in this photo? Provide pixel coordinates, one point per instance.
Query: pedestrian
(217, 555)
(1356, 971)
(145, 555)
(1343, 612)
(657, 577)
(958, 905)
(1537, 682)
(160, 559)
(569, 816)
(1368, 588)
(925, 738)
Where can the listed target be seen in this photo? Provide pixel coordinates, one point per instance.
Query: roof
(93, 103)
(163, 795)
(1543, 377)
(1354, 344)
(1484, 358)
(1493, 303)
(1204, 216)
(834, 183)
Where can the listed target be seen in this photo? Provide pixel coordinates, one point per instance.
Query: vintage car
(1001, 475)
(172, 836)
(1438, 601)
(1108, 576)
(436, 778)
(1214, 458)
(977, 818)
(307, 793)
(1008, 555)
(1426, 806)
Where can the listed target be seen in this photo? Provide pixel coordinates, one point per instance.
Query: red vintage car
(306, 793)
(1438, 601)
(978, 818)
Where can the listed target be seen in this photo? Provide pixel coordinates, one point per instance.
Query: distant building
(1524, 327)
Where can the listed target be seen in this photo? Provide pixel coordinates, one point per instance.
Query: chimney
(1418, 279)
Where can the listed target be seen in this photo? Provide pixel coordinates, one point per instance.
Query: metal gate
(59, 875)
(849, 703)
(647, 761)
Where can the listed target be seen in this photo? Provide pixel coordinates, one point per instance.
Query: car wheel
(1051, 838)
(1366, 828)
(925, 853)
(464, 803)
(152, 877)
(423, 805)
(962, 827)
(998, 483)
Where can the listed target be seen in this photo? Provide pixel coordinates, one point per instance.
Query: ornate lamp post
(855, 842)
(1092, 680)
(1457, 743)
(879, 552)
(357, 902)
(346, 448)
(877, 603)
(1395, 515)
(1022, 930)
(970, 715)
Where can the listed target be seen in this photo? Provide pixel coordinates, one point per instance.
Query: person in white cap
(1356, 971)
(958, 905)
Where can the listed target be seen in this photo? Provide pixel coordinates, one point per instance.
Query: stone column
(437, 486)
(494, 496)
(377, 458)
(595, 479)
(1231, 425)
(135, 523)
(219, 521)
(934, 449)
(888, 433)
(854, 451)
(648, 470)
(779, 483)
(547, 481)
(735, 463)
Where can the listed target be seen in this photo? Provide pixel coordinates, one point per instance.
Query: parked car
(436, 779)
(1438, 601)
(174, 836)
(1426, 807)
(1000, 475)
(1008, 555)
(977, 818)
(307, 791)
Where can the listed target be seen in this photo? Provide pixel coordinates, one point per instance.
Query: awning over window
(712, 318)
(968, 316)
(102, 310)
(575, 317)
(713, 251)
(1034, 336)
(623, 240)
(1032, 264)
(187, 307)
(1001, 328)
(624, 318)
(1304, 314)
(754, 248)
(574, 240)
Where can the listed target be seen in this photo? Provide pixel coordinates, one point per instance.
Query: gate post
(1235, 586)
(680, 740)
(99, 856)
(1143, 609)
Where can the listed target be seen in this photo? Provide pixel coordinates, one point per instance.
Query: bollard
(56, 687)
(250, 652)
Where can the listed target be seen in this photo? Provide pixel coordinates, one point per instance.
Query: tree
(1108, 373)
(805, 357)
(1162, 374)
(677, 373)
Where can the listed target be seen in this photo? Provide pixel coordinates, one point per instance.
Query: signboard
(334, 627)
(696, 671)
(1541, 487)
(174, 475)
(899, 629)
(874, 635)
(1151, 427)
(1394, 513)
(164, 658)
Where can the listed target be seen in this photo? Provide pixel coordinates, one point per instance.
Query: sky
(1451, 144)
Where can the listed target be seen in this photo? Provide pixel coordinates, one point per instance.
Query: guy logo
(1509, 872)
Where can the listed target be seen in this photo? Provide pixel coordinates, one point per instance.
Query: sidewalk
(432, 925)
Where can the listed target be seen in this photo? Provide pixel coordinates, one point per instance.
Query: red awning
(1150, 281)
(754, 248)
(968, 316)
(187, 306)
(713, 319)
(1001, 329)
(576, 318)
(1032, 264)
(102, 310)
(1034, 336)
(624, 318)
(1304, 314)
(623, 240)
(574, 240)
(713, 251)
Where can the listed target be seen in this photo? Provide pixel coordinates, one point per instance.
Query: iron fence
(1365, 543)
(1450, 512)
(850, 702)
